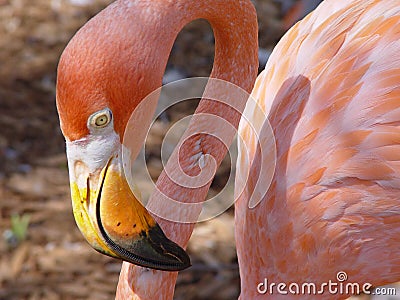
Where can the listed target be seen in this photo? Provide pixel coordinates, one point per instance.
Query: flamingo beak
(115, 223)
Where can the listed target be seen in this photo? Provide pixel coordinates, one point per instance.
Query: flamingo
(331, 93)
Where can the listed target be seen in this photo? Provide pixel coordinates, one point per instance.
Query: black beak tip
(171, 256)
(152, 249)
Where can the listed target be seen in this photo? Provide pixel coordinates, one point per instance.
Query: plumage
(331, 92)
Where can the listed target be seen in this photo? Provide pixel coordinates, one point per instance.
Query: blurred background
(42, 253)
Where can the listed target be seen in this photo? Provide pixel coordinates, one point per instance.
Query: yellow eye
(101, 118)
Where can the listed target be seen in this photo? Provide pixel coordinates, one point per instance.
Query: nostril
(87, 198)
(81, 176)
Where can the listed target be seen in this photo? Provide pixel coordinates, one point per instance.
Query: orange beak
(115, 223)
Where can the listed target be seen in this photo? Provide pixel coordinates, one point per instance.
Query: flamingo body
(331, 90)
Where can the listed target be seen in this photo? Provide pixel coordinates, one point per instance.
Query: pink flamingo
(331, 91)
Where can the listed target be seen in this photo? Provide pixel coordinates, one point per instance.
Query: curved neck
(234, 23)
(157, 23)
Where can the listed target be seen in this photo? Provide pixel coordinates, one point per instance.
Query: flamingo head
(99, 84)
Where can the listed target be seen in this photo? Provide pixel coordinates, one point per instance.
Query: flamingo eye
(100, 119)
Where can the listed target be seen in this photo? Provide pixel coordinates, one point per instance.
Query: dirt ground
(53, 261)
